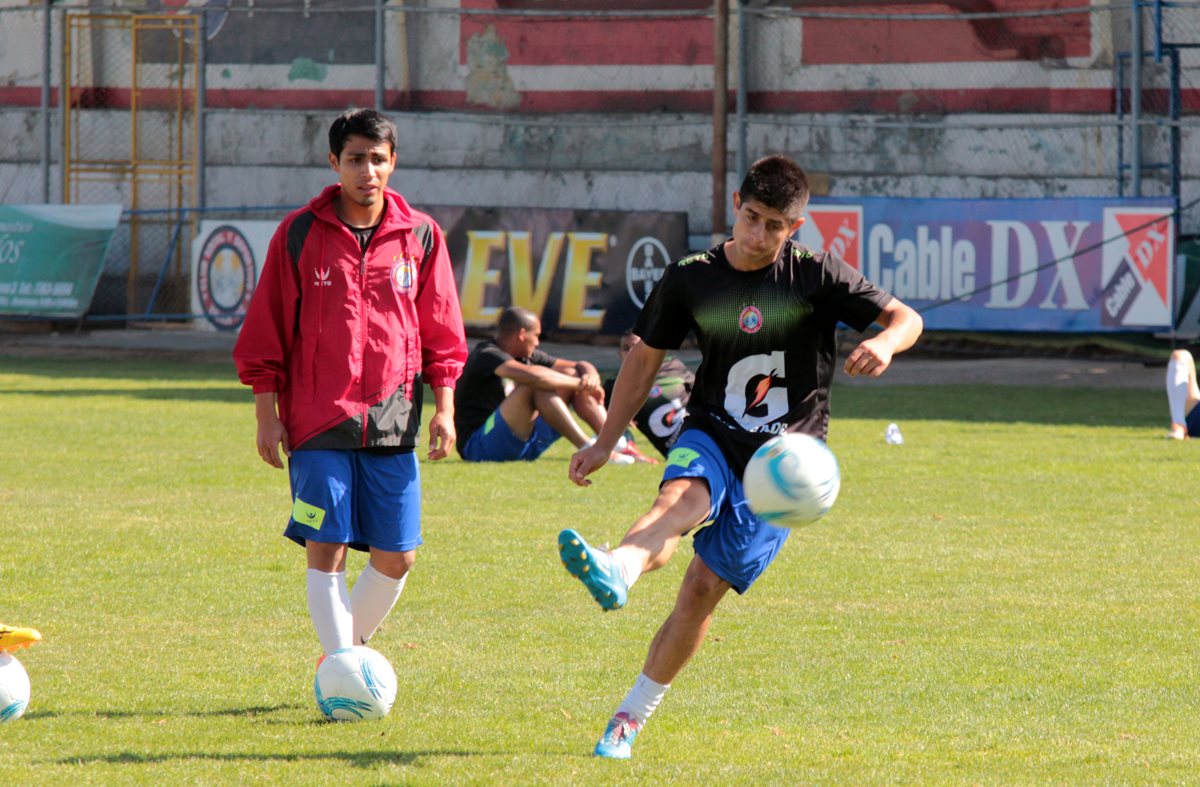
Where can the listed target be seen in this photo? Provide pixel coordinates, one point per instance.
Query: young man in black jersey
(764, 311)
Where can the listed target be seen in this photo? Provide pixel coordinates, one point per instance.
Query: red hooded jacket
(341, 336)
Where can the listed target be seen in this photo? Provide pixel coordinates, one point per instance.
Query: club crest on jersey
(322, 278)
(404, 272)
(750, 320)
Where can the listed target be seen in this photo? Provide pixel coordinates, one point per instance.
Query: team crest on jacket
(750, 320)
(404, 272)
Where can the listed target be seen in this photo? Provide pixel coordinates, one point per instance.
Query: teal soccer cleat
(594, 569)
(617, 741)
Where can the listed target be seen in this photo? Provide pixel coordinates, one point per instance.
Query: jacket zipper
(362, 339)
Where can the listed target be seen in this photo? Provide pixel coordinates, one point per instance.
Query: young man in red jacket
(355, 311)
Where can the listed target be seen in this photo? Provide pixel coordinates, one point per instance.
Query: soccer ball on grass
(354, 684)
(792, 480)
(14, 688)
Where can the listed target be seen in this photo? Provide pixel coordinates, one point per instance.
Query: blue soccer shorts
(1193, 422)
(735, 544)
(359, 498)
(495, 441)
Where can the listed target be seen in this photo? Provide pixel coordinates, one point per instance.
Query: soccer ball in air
(792, 480)
(354, 684)
(14, 688)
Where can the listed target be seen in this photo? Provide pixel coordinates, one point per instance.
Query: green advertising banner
(51, 257)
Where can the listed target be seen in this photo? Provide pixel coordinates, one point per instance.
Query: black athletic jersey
(661, 417)
(767, 340)
(480, 390)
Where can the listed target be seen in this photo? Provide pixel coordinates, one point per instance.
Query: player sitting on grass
(764, 311)
(661, 417)
(513, 400)
(13, 638)
(1183, 396)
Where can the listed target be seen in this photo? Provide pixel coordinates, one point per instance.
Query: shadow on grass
(1002, 404)
(363, 759)
(158, 393)
(255, 710)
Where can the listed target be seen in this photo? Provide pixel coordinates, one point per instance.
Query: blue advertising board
(1061, 265)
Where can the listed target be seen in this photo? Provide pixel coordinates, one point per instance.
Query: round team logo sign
(750, 320)
(225, 277)
(644, 266)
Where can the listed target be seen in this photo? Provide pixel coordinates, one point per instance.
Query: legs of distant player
(377, 589)
(555, 411)
(1183, 394)
(524, 404)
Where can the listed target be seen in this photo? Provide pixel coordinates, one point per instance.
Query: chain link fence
(218, 108)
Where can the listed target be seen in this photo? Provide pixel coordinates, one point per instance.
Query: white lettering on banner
(1003, 279)
(1121, 292)
(840, 244)
(1066, 275)
(10, 250)
(926, 269)
(1144, 254)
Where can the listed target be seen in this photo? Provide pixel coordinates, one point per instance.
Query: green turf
(1007, 598)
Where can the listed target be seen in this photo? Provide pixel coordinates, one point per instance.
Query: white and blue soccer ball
(792, 480)
(355, 684)
(14, 688)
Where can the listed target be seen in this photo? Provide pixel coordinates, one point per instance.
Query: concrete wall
(278, 157)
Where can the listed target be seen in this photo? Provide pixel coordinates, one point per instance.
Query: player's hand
(871, 358)
(441, 436)
(271, 436)
(586, 461)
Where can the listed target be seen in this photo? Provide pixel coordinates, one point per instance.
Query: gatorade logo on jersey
(750, 320)
(757, 388)
(836, 229)
(1136, 267)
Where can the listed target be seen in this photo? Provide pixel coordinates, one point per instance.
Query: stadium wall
(602, 105)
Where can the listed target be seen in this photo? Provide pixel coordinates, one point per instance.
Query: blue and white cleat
(617, 741)
(594, 568)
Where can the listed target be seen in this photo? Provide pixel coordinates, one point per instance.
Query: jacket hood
(399, 214)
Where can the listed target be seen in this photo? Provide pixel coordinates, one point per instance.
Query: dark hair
(364, 123)
(777, 182)
(515, 318)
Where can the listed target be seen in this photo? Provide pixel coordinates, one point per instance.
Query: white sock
(628, 563)
(374, 595)
(1177, 390)
(643, 698)
(329, 608)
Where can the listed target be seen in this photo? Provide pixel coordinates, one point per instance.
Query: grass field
(1008, 598)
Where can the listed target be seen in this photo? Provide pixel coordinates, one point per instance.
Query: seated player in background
(662, 415)
(1183, 396)
(14, 638)
(513, 400)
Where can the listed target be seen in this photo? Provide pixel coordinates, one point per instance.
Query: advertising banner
(580, 271)
(51, 257)
(1058, 265)
(227, 258)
